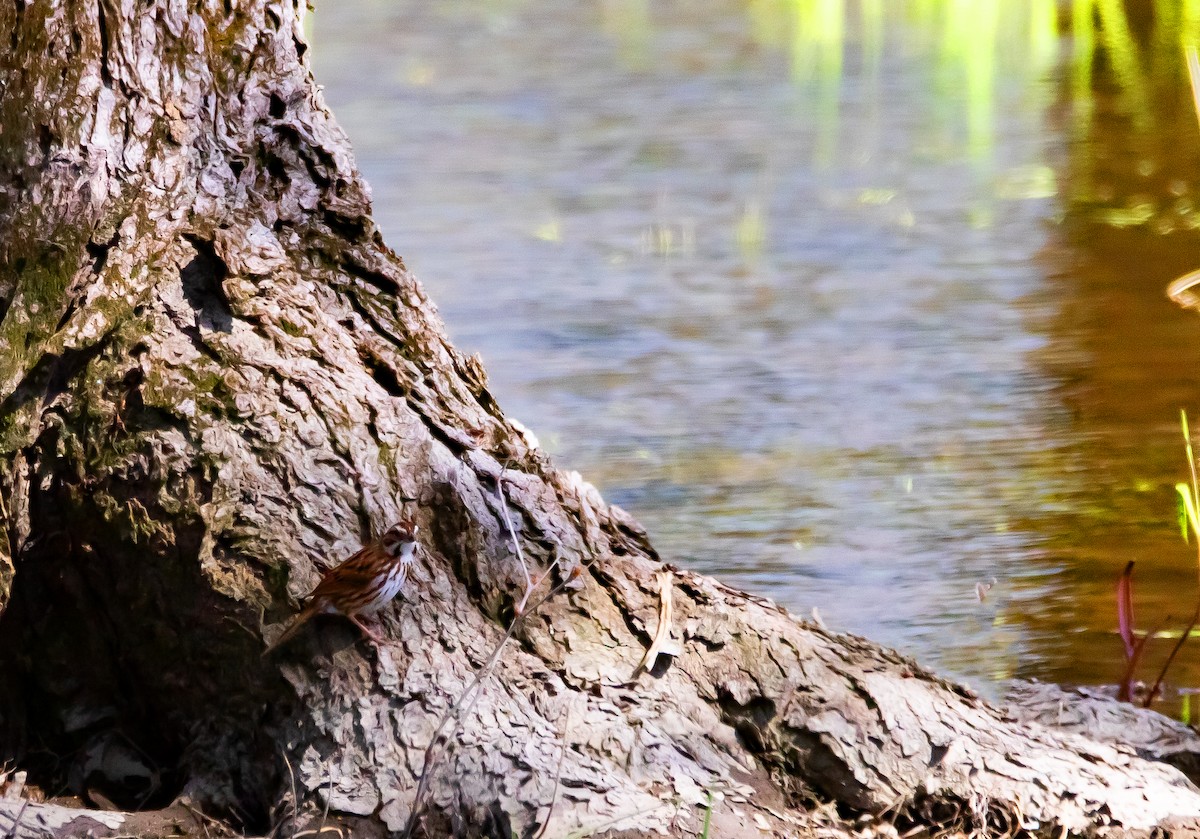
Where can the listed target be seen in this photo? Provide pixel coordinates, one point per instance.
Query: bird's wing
(358, 571)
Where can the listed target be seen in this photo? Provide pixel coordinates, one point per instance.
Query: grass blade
(1188, 502)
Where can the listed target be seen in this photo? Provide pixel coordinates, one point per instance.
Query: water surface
(858, 305)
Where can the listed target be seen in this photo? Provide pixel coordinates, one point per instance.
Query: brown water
(853, 304)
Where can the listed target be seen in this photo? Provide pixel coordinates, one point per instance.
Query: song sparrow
(363, 584)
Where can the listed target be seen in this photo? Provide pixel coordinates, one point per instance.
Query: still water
(858, 305)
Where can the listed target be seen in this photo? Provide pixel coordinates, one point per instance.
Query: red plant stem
(1125, 610)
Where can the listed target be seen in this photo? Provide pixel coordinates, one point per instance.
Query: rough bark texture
(216, 380)
(1089, 713)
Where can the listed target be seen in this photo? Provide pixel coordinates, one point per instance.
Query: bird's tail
(295, 626)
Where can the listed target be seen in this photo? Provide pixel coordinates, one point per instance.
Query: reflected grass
(970, 41)
(981, 48)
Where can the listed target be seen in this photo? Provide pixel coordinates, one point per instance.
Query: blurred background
(856, 304)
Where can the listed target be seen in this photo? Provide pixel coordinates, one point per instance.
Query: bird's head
(400, 539)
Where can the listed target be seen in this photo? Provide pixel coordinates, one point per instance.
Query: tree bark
(216, 380)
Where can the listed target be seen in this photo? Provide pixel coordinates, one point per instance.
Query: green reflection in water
(1133, 132)
(872, 38)
(1083, 15)
(817, 51)
(969, 47)
(980, 49)
(977, 46)
(629, 21)
(1126, 62)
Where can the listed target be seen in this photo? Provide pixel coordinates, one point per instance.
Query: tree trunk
(217, 380)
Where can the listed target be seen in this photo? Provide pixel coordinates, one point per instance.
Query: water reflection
(851, 303)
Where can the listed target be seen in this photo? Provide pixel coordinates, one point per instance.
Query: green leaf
(1189, 508)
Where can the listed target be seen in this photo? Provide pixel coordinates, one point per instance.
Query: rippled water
(857, 305)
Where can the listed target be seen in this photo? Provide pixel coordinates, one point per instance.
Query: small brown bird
(362, 585)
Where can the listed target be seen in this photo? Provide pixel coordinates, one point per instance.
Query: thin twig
(1125, 690)
(512, 534)
(461, 707)
(1162, 674)
(328, 797)
(562, 753)
(530, 583)
(11, 832)
(292, 782)
(203, 819)
(467, 699)
(294, 799)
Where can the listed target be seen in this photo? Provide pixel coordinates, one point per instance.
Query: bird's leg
(370, 633)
